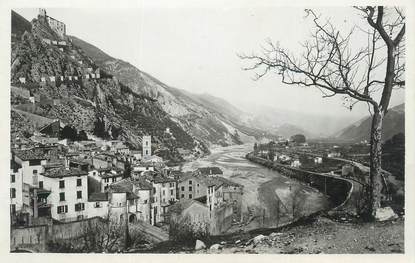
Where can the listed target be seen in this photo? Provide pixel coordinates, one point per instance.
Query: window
(190, 188)
(79, 207)
(35, 171)
(182, 188)
(12, 178)
(34, 162)
(171, 192)
(190, 196)
(190, 181)
(79, 182)
(164, 192)
(62, 184)
(97, 204)
(79, 194)
(41, 184)
(62, 209)
(13, 208)
(61, 196)
(182, 196)
(13, 192)
(197, 185)
(113, 179)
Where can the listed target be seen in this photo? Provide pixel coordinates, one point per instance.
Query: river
(269, 199)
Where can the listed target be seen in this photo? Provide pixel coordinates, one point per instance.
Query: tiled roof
(58, 172)
(124, 186)
(219, 181)
(209, 170)
(156, 177)
(31, 154)
(95, 197)
(142, 184)
(110, 175)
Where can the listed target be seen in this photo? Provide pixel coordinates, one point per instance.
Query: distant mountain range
(394, 123)
(287, 123)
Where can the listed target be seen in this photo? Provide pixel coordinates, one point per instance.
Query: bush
(186, 232)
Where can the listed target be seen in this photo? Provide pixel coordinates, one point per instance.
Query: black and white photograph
(207, 129)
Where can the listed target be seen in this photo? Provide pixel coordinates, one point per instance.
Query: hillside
(19, 24)
(207, 118)
(393, 123)
(86, 103)
(125, 101)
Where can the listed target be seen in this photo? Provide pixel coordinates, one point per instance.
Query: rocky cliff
(124, 100)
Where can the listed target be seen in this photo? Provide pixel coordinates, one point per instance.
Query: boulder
(259, 239)
(385, 213)
(274, 235)
(199, 245)
(215, 247)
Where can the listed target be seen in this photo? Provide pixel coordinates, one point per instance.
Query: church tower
(146, 146)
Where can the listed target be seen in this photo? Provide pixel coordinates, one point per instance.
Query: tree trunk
(375, 161)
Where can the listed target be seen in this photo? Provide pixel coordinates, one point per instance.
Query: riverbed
(269, 199)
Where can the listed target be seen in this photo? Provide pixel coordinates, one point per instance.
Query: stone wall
(222, 219)
(35, 238)
(338, 189)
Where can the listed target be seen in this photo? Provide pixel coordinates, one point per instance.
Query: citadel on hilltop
(57, 26)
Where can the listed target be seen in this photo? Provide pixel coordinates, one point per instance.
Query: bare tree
(332, 63)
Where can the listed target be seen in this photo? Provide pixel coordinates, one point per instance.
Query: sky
(196, 49)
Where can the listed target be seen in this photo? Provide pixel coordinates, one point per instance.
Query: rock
(215, 247)
(199, 245)
(385, 213)
(274, 235)
(370, 248)
(259, 239)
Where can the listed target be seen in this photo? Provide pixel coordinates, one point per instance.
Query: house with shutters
(68, 192)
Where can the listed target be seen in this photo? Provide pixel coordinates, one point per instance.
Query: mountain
(124, 103)
(210, 119)
(287, 123)
(19, 24)
(393, 123)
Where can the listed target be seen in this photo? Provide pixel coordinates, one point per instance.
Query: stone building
(146, 146)
(57, 26)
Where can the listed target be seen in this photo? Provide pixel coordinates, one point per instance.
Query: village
(90, 182)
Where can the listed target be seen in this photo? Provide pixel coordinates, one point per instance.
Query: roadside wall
(338, 189)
